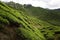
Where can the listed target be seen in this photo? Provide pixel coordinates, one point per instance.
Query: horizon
(49, 4)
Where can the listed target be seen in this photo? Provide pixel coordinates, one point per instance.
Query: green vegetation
(25, 22)
(14, 17)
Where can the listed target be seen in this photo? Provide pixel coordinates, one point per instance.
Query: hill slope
(13, 19)
(51, 16)
(27, 23)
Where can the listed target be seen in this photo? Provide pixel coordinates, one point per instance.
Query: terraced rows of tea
(17, 25)
(12, 18)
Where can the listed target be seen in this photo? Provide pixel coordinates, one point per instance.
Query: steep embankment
(14, 26)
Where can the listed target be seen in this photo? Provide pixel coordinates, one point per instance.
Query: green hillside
(25, 22)
(51, 16)
(11, 17)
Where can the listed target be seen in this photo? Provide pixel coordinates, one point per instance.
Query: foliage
(34, 23)
(11, 16)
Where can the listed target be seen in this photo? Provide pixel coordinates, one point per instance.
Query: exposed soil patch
(8, 32)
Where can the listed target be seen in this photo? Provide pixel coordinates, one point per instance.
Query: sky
(50, 4)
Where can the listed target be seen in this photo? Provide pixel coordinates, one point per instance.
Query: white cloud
(52, 4)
